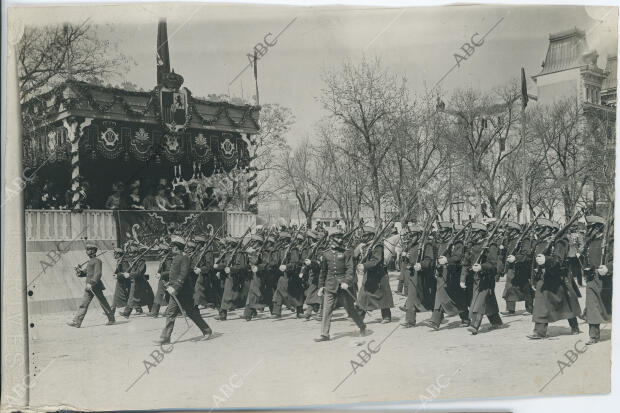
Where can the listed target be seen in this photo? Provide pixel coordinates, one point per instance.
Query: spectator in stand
(193, 197)
(149, 203)
(84, 201)
(161, 199)
(209, 202)
(134, 200)
(115, 201)
(48, 196)
(177, 197)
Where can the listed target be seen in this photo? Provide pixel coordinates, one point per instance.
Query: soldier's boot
(139, 310)
(386, 316)
(154, 311)
(300, 311)
(222, 316)
(399, 289)
(308, 313)
(574, 326)
(277, 311)
(595, 334)
(126, 312)
(510, 308)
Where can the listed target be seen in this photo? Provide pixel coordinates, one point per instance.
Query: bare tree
(561, 131)
(365, 101)
(49, 55)
(485, 134)
(301, 175)
(345, 180)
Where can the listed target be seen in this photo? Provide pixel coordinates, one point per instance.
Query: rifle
(317, 245)
(455, 237)
(349, 235)
(208, 245)
(517, 246)
(489, 238)
(290, 245)
(422, 243)
(609, 224)
(561, 232)
(238, 246)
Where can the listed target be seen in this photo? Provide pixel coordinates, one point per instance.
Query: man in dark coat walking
(94, 288)
(163, 272)
(418, 262)
(181, 292)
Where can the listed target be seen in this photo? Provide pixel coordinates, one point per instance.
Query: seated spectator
(114, 201)
(210, 202)
(162, 200)
(176, 200)
(149, 202)
(48, 196)
(193, 198)
(134, 196)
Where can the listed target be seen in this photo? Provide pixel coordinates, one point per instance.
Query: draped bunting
(201, 148)
(227, 154)
(141, 145)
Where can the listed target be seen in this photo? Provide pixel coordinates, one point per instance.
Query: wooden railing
(61, 225)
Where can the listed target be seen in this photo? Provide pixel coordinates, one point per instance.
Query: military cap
(458, 227)
(271, 239)
(478, 226)
(284, 234)
(300, 236)
(334, 232)
(444, 224)
(199, 238)
(190, 244)
(91, 246)
(118, 250)
(513, 225)
(177, 240)
(313, 234)
(369, 230)
(414, 228)
(594, 219)
(544, 222)
(256, 237)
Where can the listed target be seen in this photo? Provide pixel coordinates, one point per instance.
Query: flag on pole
(524, 97)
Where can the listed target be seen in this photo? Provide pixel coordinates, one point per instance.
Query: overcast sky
(208, 45)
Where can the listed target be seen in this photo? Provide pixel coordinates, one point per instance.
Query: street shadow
(354, 333)
(605, 335)
(105, 325)
(488, 329)
(555, 331)
(451, 325)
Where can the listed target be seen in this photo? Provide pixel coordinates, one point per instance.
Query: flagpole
(256, 76)
(524, 99)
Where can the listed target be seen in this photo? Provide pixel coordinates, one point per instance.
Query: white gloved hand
(307, 261)
(577, 255)
(89, 286)
(157, 275)
(476, 268)
(360, 267)
(301, 275)
(463, 286)
(197, 270)
(126, 274)
(404, 254)
(227, 270)
(540, 259)
(170, 290)
(442, 260)
(344, 286)
(501, 247)
(602, 270)
(417, 266)
(282, 268)
(254, 269)
(320, 292)
(510, 259)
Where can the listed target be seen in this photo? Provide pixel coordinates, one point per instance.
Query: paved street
(276, 363)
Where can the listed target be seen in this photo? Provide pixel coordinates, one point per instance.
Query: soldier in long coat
(418, 260)
(450, 298)
(289, 290)
(140, 292)
(555, 298)
(258, 267)
(234, 268)
(518, 268)
(94, 288)
(181, 291)
(311, 273)
(482, 266)
(598, 275)
(123, 285)
(163, 272)
(375, 292)
(204, 270)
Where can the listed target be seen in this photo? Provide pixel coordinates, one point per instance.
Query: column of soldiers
(447, 269)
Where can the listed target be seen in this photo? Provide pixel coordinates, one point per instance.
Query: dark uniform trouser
(595, 331)
(438, 315)
(529, 304)
(173, 310)
(541, 328)
(575, 269)
(494, 319)
(86, 299)
(329, 303)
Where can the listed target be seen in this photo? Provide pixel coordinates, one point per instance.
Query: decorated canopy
(112, 133)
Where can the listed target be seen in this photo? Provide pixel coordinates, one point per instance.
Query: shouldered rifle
(526, 231)
(455, 237)
(316, 247)
(350, 235)
(290, 245)
(375, 240)
(422, 243)
(562, 232)
(238, 246)
(208, 245)
(489, 238)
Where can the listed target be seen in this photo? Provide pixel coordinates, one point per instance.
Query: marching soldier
(481, 266)
(94, 288)
(289, 291)
(518, 268)
(418, 261)
(140, 292)
(181, 291)
(335, 283)
(311, 273)
(235, 266)
(450, 298)
(596, 269)
(123, 285)
(555, 298)
(203, 269)
(375, 292)
(161, 297)
(254, 302)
